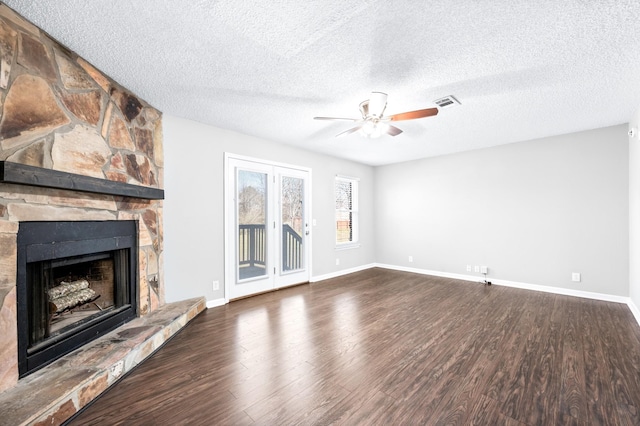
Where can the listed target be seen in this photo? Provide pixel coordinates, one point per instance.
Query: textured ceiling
(521, 69)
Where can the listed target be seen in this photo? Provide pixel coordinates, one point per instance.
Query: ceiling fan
(373, 123)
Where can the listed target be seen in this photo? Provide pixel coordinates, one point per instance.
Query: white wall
(193, 207)
(634, 214)
(533, 212)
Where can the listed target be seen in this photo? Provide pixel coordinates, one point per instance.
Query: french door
(267, 226)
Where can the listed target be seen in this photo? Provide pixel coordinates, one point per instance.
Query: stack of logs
(68, 295)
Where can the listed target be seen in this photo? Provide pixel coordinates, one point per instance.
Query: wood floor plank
(388, 347)
(573, 400)
(600, 397)
(365, 406)
(621, 371)
(509, 356)
(517, 397)
(535, 386)
(456, 406)
(486, 411)
(303, 401)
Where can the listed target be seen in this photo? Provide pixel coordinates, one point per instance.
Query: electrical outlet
(484, 270)
(216, 285)
(468, 268)
(337, 261)
(476, 268)
(410, 258)
(575, 276)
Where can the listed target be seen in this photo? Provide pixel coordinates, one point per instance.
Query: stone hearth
(55, 393)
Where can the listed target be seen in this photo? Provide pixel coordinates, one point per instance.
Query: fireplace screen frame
(49, 241)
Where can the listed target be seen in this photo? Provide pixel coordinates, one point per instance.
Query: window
(346, 195)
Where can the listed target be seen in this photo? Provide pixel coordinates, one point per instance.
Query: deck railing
(291, 249)
(251, 247)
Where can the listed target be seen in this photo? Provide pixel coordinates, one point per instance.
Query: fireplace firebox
(76, 281)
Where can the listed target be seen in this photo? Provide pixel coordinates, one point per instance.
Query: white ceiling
(521, 69)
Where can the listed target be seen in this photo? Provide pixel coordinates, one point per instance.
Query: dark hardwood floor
(386, 347)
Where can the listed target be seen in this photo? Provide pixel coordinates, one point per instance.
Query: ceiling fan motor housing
(377, 104)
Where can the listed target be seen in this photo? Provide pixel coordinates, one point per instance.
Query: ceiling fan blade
(336, 118)
(411, 115)
(348, 132)
(393, 130)
(377, 103)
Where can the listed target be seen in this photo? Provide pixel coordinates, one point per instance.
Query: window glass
(346, 197)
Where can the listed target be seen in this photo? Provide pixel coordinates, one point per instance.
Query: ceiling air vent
(447, 102)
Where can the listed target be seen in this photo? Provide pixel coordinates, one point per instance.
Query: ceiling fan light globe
(368, 128)
(382, 127)
(374, 129)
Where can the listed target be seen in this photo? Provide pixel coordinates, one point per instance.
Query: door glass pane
(252, 218)
(292, 224)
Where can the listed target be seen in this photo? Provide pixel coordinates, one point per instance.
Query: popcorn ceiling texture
(59, 112)
(522, 69)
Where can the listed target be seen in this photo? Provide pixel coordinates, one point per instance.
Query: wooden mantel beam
(37, 176)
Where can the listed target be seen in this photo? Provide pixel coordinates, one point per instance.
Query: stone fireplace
(76, 148)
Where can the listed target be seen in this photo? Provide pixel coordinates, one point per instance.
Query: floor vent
(447, 102)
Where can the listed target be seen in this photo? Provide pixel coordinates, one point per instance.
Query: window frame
(354, 212)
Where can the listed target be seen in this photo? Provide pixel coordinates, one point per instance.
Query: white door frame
(229, 216)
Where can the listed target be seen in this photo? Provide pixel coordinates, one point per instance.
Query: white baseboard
(340, 273)
(428, 272)
(525, 286)
(634, 310)
(473, 278)
(215, 302)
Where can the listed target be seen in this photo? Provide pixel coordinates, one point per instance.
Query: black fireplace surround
(45, 247)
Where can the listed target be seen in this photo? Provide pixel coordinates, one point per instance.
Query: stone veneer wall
(59, 112)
